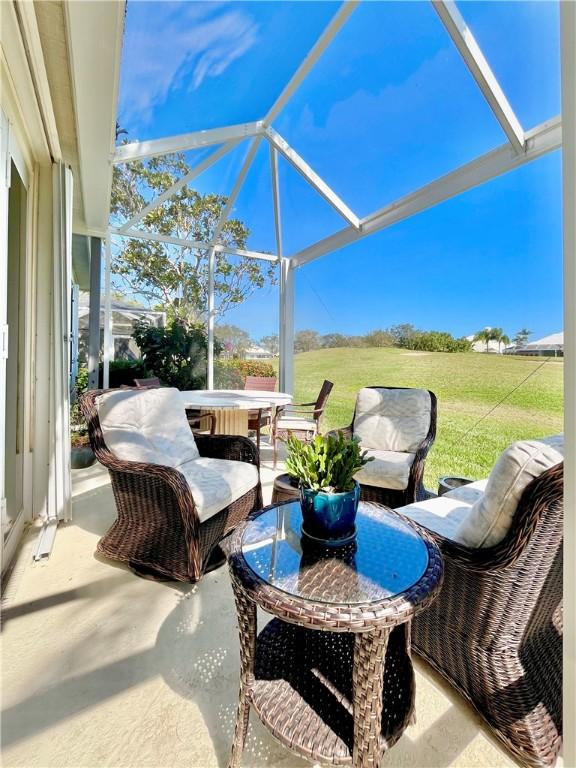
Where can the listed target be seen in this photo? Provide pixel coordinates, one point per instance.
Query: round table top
(242, 399)
(389, 572)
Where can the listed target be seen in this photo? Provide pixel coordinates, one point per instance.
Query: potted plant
(329, 494)
(81, 453)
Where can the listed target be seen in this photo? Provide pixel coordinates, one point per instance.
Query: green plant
(249, 368)
(326, 464)
(176, 354)
(77, 422)
(227, 376)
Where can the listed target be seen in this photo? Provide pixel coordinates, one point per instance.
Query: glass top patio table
(387, 557)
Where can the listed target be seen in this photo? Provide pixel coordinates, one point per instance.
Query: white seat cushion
(216, 483)
(491, 516)
(296, 424)
(392, 419)
(148, 425)
(390, 469)
(442, 515)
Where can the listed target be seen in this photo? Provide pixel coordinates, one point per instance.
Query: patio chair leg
(258, 437)
(240, 732)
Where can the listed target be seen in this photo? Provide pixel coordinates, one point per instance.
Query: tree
(401, 333)
(234, 340)
(270, 343)
(486, 335)
(436, 341)
(499, 336)
(379, 338)
(304, 341)
(332, 340)
(175, 277)
(521, 338)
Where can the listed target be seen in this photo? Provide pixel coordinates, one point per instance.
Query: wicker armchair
(495, 631)
(300, 419)
(414, 490)
(158, 531)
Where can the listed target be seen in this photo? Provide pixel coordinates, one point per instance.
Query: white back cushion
(490, 518)
(392, 419)
(148, 425)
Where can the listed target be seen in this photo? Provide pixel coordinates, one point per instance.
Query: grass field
(468, 385)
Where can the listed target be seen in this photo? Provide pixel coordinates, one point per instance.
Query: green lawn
(467, 385)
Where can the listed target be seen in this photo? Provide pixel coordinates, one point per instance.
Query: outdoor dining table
(232, 406)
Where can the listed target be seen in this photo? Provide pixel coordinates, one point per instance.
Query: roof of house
(552, 341)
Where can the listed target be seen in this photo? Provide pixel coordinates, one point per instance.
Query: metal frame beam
(337, 22)
(196, 171)
(108, 338)
(543, 139)
(568, 51)
(94, 312)
(474, 59)
(211, 257)
(286, 289)
(139, 150)
(315, 181)
(286, 346)
(219, 247)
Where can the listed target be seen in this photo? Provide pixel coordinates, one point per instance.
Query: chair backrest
(491, 516)
(394, 418)
(153, 381)
(147, 425)
(322, 399)
(263, 383)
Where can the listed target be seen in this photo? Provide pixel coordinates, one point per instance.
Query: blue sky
(389, 107)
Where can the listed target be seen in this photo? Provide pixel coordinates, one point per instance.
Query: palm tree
(522, 337)
(502, 338)
(484, 335)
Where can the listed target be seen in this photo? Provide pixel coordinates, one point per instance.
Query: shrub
(77, 422)
(121, 373)
(435, 341)
(227, 376)
(249, 367)
(176, 354)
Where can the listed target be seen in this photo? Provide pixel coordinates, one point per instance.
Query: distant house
(548, 346)
(125, 315)
(258, 353)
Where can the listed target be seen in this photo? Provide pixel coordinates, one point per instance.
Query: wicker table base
(331, 675)
(304, 693)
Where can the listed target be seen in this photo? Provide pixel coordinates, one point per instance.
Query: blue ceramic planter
(329, 516)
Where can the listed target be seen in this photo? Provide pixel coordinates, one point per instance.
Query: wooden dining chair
(302, 420)
(261, 417)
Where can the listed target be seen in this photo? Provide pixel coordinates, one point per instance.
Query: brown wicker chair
(495, 631)
(300, 419)
(415, 489)
(261, 417)
(157, 530)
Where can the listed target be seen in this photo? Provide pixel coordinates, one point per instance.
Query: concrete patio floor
(102, 668)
